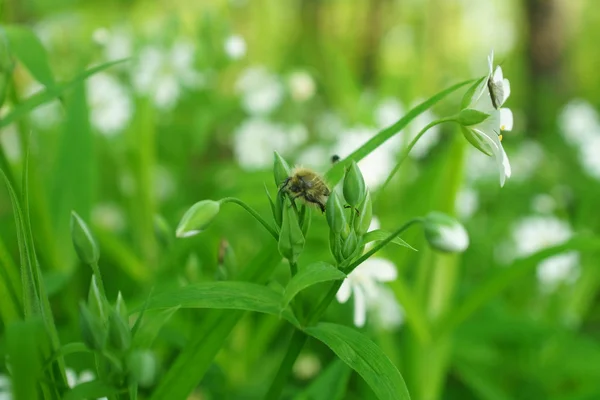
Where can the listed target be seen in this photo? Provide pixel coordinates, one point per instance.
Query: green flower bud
(281, 169)
(119, 335)
(354, 185)
(143, 368)
(365, 215)
(335, 245)
(93, 330)
(121, 307)
(278, 208)
(305, 220)
(350, 245)
(475, 140)
(445, 233)
(291, 239)
(197, 218)
(97, 304)
(334, 212)
(468, 117)
(83, 240)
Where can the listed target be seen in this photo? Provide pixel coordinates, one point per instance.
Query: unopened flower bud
(365, 215)
(118, 332)
(334, 212)
(142, 365)
(281, 169)
(350, 245)
(83, 240)
(445, 233)
(197, 218)
(354, 185)
(93, 330)
(291, 239)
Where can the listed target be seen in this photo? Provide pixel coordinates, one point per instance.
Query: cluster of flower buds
(349, 222)
(105, 328)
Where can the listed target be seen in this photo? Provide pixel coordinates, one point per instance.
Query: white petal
(506, 119)
(506, 88)
(381, 270)
(86, 376)
(499, 155)
(360, 307)
(71, 377)
(343, 294)
(498, 76)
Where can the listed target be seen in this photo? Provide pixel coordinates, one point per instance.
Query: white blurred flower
(235, 47)
(109, 216)
(5, 388)
(257, 138)
(387, 313)
(535, 233)
(467, 202)
(329, 125)
(116, 43)
(378, 164)
(526, 159)
(364, 284)
(579, 122)
(261, 91)
(302, 85)
(84, 376)
(162, 74)
(488, 98)
(306, 366)
(588, 156)
(388, 112)
(110, 104)
(46, 116)
(543, 204)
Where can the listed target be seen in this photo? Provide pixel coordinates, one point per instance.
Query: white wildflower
(163, 74)
(46, 116)
(364, 284)
(306, 366)
(543, 204)
(301, 85)
(388, 112)
(235, 47)
(261, 91)
(535, 233)
(111, 107)
(579, 122)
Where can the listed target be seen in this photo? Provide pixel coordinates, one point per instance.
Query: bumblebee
(308, 186)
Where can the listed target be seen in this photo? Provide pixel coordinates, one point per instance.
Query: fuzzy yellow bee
(308, 186)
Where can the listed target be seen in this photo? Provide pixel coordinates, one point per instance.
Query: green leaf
(197, 356)
(312, 274)
(90, 390)
(508, 276)
(30, 51)
(378, 234)
(151, 325)
(331, 384)
(224, 295)
(468, 96)
(362, 355)
(67, 349)
(336, 172)
(50, 94)
(23, 352)
(10, 287)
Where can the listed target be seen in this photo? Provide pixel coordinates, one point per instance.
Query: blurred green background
(211, 88)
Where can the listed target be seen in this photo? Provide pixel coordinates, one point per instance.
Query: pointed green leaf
(224, 295)
(312, 274)
(363, 356)
(30, 51)
(379, 234)
(50, 94)
(151, 325)
(23, 353)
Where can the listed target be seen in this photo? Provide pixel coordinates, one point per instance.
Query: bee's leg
(284, 183)
(313, 200)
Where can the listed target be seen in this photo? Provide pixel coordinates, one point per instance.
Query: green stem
(412, 144)
(293, 267)
(252, 212)
(295, 347)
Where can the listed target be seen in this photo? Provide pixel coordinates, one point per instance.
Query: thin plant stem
(252, 212)
(412, 144)
(295, 347)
